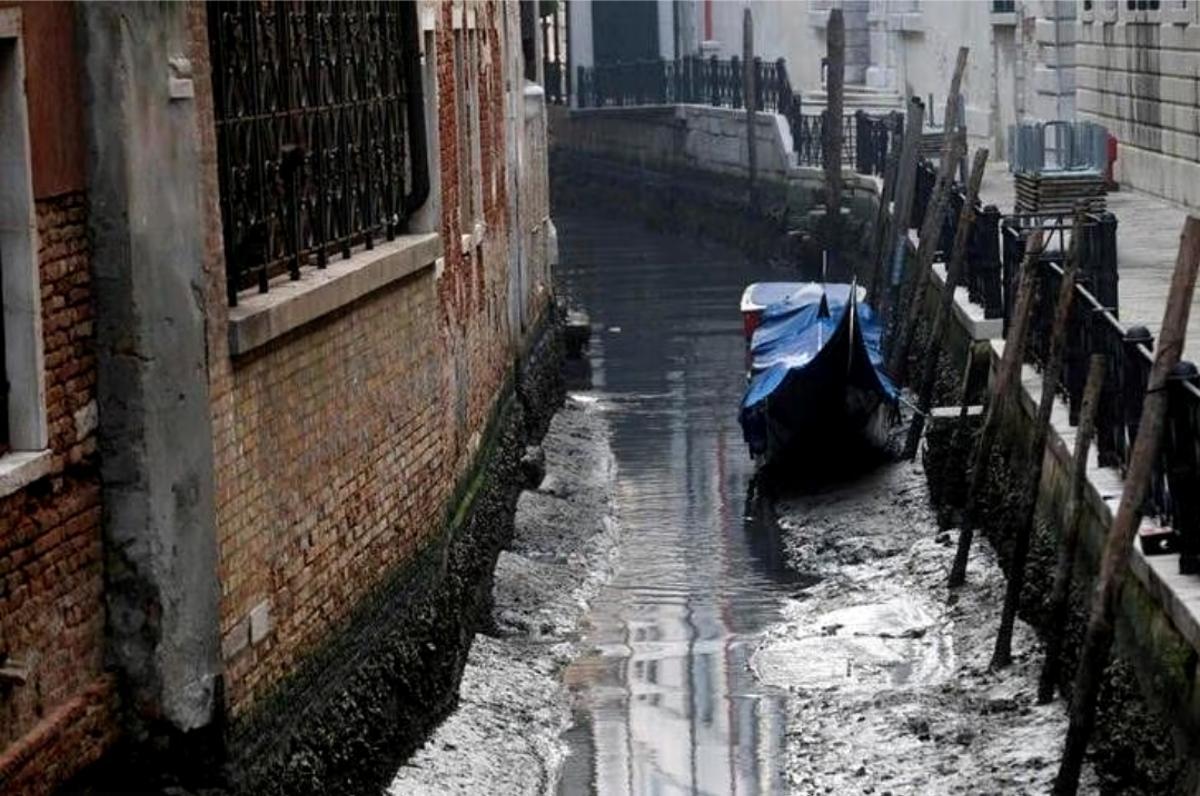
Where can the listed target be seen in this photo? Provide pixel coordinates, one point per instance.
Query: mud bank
(886, 672)
(504, 737)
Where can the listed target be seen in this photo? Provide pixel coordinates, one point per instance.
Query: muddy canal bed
(889, 688)
(790, 638)
(505, 735)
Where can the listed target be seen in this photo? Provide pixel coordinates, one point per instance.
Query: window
(23, 405)
(320, 131)
(1004, 6)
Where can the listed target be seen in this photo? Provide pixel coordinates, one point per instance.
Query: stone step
(858, 98)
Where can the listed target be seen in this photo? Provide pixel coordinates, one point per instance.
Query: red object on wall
(1110, 183)
(708, 20)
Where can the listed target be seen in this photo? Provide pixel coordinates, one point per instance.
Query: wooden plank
(909, 309)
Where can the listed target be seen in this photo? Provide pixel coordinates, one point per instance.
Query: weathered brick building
(57, 700)
(285, 335)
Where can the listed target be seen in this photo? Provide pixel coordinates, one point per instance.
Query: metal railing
(557, 91)
(866, 140)
(983, 269)
(1094, 327)
(320, 131)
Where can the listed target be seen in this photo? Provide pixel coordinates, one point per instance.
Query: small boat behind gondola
(816, 370)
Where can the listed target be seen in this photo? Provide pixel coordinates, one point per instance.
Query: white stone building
(1130, 65)
(1138, 74)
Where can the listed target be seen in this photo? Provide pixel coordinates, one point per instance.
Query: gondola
(815, 370)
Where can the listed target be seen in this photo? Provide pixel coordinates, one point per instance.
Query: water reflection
(668, 704)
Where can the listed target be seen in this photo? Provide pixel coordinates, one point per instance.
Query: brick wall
(51, 579)
(338, 446)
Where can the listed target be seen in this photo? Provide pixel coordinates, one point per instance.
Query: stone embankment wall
(685, 167)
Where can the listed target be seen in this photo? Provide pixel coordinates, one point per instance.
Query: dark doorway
(625, 31)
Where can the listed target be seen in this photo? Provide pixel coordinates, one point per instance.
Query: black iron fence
(1094, 327)
(874, 138)
(994, 254)
(866, 139)
(983, 269)
(320, 131)
(555, 75)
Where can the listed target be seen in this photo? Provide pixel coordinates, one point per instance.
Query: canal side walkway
(505, 735)
(1148, 230)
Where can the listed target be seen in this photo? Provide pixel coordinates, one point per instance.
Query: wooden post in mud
(1007, 378)
(933, 348)
(879, 230)
(1114, 562)
(835, 49)
(1068, 545)
(896, 236)
(910, 307)
(958, 453)
(1051, 371)
(750, 94)
(953, 150)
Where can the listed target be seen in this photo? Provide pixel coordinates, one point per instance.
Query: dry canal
(728, 655)
(666, 700)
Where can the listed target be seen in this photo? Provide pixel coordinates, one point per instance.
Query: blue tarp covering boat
(816, 368)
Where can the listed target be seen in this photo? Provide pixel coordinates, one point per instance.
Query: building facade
(58, 699)
(1127, 65)
(1136, 74)
(277, 285)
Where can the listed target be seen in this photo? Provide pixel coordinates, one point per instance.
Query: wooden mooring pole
(1114, 563)
(896, 236)
(911, 306)
(835, 44)
(1032, 478)
(749, 92)
(879, 231)
(953, 150)
(1007, 378)
(933, 347)
(1068, 544)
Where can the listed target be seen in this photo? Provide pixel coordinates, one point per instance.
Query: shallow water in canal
(665, 700)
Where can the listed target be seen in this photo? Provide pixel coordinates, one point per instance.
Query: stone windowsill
(19, 469)
(260, 318)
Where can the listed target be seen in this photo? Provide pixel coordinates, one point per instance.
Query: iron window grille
(320, 131)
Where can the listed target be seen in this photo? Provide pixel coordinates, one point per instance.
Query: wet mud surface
(804, 642)
(886, 669)
(504, 736)
(795, 636)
